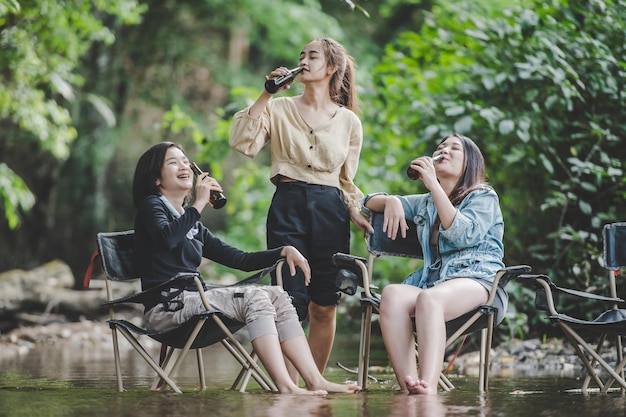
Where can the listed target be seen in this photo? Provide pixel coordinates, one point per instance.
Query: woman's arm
(161, 226)
(248, 133)
(478, 215)
(394, 217)
(222, 253)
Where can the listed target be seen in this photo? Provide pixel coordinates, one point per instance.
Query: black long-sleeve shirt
(166, 245)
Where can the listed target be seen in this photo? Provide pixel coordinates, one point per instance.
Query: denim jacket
(471, 247)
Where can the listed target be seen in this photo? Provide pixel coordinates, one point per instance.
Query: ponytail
(341, 87)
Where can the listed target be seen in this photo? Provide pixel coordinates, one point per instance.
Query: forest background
(87, 86)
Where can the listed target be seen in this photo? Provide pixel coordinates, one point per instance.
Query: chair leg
(592, 364)
(171, 370)
(619, 367)
(243, 378)
(364, 345)
(118, 365)
(620, 358)
(445, 383)
(244, 358)
(201, 369)
(139, 348)
(486, 339)
(249, 368)
(243, 375)
(578, 342)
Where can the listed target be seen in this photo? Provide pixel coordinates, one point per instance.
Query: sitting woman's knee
(425, 303)
(390, 293)
(258, 301)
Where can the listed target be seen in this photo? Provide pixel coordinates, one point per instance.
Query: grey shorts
(265, 310)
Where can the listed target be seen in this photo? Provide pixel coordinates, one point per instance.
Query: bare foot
(339, 388)
(301, 391)
(417, 387)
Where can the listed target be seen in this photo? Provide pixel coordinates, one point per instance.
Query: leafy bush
(540, 89)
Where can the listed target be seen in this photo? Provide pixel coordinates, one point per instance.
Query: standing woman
(316, 141)
(460, 230)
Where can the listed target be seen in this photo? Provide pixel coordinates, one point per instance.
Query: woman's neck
(316, 97)
(447, 185)
(175, 200)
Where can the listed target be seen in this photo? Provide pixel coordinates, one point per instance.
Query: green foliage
(8, 6)
(539, 86)
(17, 197)
(540, 89)
(41, 45)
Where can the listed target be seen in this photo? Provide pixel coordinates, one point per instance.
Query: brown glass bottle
(413, 174)
(272, 85)
(218, 200)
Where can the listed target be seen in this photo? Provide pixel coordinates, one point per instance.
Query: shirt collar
(171, 208)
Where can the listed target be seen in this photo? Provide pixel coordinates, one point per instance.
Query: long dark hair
(341, 87)
(148, 171)
(473, 172)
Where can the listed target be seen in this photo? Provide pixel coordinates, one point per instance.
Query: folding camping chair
(357, 271)
(116, 252)
(610, 324)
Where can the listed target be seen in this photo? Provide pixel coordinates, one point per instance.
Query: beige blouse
(327, 155)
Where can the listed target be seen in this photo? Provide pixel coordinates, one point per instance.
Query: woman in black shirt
(170, 239)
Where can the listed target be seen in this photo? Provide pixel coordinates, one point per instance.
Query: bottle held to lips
(273, 85)
(413, 174)
(218, 200)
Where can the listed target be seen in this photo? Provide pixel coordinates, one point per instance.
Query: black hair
(473, 171)
(148, 171)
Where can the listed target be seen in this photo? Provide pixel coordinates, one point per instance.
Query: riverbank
(522, 358)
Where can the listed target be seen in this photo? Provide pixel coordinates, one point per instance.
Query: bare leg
(293, 372)
(269, 350)
(298, 352)
(323, 321)
(396, 309)
(433, 308)
(430, 327)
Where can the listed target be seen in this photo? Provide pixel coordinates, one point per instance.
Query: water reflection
(81, 381)
(286, 406)
(417, 405)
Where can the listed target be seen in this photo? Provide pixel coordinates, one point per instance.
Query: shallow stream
(81, 382)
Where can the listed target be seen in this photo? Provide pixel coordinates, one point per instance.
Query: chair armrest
(547, 295)
(504, 276)
(353, 273)
(159, 292)
(349, 262)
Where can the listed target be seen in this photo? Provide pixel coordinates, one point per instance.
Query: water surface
(81, 382)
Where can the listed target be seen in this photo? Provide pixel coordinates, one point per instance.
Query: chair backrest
(116, 252)
(614, 236)
(378, 243)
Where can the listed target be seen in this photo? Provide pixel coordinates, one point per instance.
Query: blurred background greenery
(87, 86)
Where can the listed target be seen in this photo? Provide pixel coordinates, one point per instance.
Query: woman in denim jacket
(460, 229)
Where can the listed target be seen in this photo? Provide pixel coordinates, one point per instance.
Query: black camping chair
(116, 253)
(610, 324)
(357, 272)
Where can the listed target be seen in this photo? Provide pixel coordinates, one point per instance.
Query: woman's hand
(426, 168)
(205, 185)
(360, 220)
(394, 219)
(294, 258)
(278, 72)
